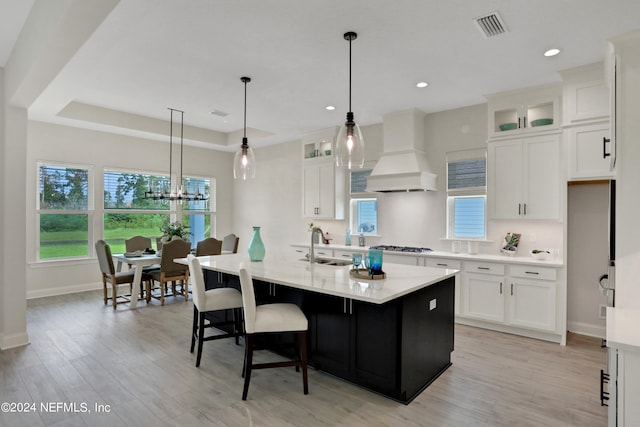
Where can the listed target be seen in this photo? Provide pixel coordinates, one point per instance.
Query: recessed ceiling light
(330, 107)
(552, 52)
(422, 84)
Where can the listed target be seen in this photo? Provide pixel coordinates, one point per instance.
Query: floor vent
(491, 25)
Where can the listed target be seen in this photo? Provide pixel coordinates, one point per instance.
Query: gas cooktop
(400, 248)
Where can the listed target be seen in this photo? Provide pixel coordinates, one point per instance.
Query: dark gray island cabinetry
(393, 336)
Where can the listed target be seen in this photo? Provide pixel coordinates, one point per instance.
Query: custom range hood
(403, 166)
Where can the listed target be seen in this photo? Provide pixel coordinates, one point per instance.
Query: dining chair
(172, 272)
(208, 301)
(137, 243)
(271, 319)
(140, 243)
(209, 246)
(230, 243)
(115, 278)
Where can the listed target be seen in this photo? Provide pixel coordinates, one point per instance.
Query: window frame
(467, 192)
(355, 197)
(89, 212)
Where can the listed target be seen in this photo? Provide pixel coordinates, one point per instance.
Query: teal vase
(256, 247)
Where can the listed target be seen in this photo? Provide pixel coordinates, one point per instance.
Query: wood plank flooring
(136, 364)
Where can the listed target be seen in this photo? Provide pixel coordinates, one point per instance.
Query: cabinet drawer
(533, 272)
(484, 267)
(443, 263)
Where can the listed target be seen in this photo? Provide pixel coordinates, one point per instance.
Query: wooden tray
(362, 274)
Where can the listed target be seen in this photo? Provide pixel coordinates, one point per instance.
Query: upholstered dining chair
(230, 243)
(209, 246)
(173, 272)
(137, 243)
(110, 275)
(271, 319)
(140, 243)
(207, 301)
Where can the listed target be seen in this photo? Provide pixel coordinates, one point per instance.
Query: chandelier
(180, 192)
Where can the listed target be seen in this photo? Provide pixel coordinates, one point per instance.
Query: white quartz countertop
(622, 328)
(525, 258)
(331, 280)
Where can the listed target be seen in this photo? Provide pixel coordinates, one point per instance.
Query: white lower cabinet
(483, 291)
(513, 295)
(532, 297)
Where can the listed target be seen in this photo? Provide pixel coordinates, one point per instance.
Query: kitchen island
(392, 336)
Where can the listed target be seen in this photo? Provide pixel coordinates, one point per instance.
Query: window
(127, 213)
(466, 194)
(199, 215)
(363, 208)
(64, 210)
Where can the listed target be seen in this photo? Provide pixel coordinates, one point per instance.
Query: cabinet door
(399, 259)
(326, 191)
(505, 179)
(329, 333)
(311, 187)
(532, 304)
(590, 151)
(483, 297)
(541, 199)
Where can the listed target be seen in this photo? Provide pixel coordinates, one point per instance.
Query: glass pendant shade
(349, 145)
(244, 162)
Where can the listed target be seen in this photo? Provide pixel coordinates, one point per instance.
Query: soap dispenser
(347, 238)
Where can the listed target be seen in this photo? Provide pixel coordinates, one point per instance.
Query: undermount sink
(325, 261)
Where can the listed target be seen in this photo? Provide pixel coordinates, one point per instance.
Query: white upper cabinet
(524, 178)
(323, 185)
(585, 94)
(524, 111)
(590, 151)
(586, 114)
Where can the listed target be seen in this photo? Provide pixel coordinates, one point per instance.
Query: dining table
(139, 261)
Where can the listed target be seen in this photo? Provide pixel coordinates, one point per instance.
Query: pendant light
(244, 162)
(349, 144)
(179, 193)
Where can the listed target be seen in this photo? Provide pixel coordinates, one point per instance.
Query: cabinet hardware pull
(350, 306)
(500, 288)
(512, 289)
(604, 395)
(524, 120)
(525, 209)
(604, 147)
(344, 305)
(532, 272)
(346, 255)
(519, 208)
(519, 123)
(484, 268)
(442, 265)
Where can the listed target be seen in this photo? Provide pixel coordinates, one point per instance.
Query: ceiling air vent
(491, 25)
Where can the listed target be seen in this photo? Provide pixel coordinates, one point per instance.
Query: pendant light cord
(170, 147)
(350, 73)
(245, 109)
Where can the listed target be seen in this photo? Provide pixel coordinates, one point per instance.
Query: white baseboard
(63, 290)
(13, 340)
(587, 329)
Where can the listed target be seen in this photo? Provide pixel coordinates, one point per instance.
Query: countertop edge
(441, 254)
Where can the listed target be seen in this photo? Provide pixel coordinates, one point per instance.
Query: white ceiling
(190, 54)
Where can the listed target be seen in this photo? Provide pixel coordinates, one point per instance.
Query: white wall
(587, 256)
(99, 150)
(412, 219)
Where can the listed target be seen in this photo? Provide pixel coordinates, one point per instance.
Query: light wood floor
(138, 363)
